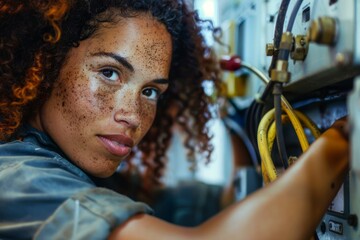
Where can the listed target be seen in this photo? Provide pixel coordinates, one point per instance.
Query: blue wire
(293, 15)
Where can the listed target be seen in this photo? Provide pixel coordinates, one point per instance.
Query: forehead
(139, 34)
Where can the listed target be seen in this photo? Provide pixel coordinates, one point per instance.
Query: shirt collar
(30, 134)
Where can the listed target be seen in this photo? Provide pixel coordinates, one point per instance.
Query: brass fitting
(300, 48)
(270, 49)
(286, 41)
(280, 73)
(323, 30)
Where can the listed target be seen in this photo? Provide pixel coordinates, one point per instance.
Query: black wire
(284, 53)
(248, 115)
(277, 91)
(251, 127)
(258, 115)
(253, 117)
(255, 110)
(279, 130)
(267, 91)
(279, 27)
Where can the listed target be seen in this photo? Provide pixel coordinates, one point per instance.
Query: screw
(352, 220)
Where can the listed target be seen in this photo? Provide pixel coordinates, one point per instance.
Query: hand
(342, 126)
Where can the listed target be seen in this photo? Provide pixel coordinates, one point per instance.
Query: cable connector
(280, 73)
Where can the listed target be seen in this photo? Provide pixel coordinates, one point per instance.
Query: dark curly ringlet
(35, 37)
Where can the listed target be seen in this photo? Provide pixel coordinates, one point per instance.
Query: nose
(128, 110)
(128, 120)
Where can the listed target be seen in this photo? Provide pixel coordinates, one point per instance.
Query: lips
(118, 145)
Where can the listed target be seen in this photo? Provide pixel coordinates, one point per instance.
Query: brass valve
(323, 30)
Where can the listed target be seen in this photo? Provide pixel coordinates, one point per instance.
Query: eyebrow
(117, 58)
(161, 81)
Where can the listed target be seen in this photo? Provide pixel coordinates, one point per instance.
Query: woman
(82, 82)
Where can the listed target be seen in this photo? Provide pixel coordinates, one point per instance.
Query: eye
(110, 74)
(151, 93)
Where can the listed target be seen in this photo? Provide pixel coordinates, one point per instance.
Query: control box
(326, 62)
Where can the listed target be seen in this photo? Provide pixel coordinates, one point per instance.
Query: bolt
(352, 220)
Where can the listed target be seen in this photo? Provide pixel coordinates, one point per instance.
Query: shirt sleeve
(44, 196)
(90, 215)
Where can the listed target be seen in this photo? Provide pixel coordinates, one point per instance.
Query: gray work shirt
(44, 196)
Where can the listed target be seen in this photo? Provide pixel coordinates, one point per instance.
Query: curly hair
(37, 35)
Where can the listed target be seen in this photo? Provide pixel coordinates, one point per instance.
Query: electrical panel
(326, 33)
(325, 62)
(354, 119)
(341, 220)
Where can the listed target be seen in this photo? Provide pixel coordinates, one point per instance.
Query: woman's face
(104, 100)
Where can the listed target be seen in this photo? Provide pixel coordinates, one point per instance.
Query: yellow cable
(267, 134)
(308, 123)
(304, 143)
(267, 166)
(305, 121)
(264, 173)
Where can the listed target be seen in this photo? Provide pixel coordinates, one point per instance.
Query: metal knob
(323, 31)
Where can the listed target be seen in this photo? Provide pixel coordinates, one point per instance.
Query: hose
(279, 130)
(266, 136)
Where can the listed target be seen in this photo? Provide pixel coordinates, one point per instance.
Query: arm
(289, 208)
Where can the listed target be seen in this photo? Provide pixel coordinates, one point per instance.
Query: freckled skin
(83, 104)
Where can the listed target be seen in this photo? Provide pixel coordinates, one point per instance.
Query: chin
(103, 174)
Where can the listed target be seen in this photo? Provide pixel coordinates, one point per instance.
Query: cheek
(87, 92)
(147, 116)
(81, 100)
(103, 100)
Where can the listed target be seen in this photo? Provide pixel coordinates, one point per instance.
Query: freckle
(94, 159)
(63, 103)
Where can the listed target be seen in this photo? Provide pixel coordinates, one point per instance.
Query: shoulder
(35, 173)
(17, 157)
(47, 194)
